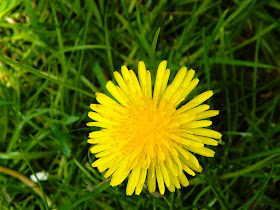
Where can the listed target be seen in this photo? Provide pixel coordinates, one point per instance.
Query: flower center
(144, 132)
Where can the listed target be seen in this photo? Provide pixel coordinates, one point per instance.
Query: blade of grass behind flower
(43, 75)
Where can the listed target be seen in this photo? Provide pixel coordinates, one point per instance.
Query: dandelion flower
(145, 135)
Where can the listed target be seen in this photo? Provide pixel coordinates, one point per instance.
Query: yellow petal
(194, 144)
(102, 168)
(95, 116)
(196, 101)
(92, 141)
(115, 93)
(158, 82)
(170, 164)
(97, 134)
(198, 124)
(151, 180)
(171, 89)
(188, 78)
(189, 136)
(164, 173)
(113, 167)
(183, 180)
(164, 82)
(171, 187)
(133, 180)
(160, 154)
(95, 107)
(103, 160)
(104, 153)
(188, 170)
(174, 181)
(182, 151)
(160, 180)
(206, 114)
(197, 110)
(179, 139)
(142, 76)
(185, 118)
(206, 140)
(174, 156)
(206, 132)
(204, 151)
(141, 181)
(105, 100)
(125, 73)
(192, 159)
(121, 82)
(99, 124)
(148, 84)
(135, 82)
(99, 148)
(190, 87)
(119, 176)
(190, 164)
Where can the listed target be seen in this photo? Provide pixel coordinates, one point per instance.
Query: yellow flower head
(144, 137)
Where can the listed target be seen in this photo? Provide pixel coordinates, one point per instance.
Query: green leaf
(60, 137)
(43, 75)
(101, 78)
(153, 50)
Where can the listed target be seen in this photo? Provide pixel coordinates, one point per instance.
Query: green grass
(54, 55)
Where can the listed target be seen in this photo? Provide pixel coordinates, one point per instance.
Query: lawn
(56, 54)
